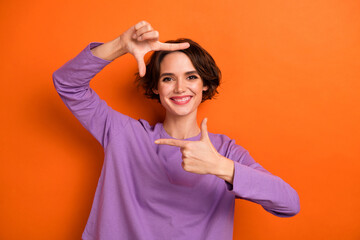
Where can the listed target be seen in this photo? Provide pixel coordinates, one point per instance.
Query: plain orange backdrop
(290, 95)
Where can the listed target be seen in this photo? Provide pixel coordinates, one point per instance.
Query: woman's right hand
(141, 39)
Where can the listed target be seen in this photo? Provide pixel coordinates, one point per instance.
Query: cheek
(164, 90)
(198, 88)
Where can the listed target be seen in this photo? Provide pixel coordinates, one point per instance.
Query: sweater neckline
(166, 135)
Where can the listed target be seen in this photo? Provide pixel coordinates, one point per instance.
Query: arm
(252, 182)
(137, 40)
(244, 177)
(109, 51)
(72, 79)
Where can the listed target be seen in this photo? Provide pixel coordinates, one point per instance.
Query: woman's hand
(201, 156)
(137, 40)
(141, 39)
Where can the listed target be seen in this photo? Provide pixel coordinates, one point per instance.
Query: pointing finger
(173, 46)
(171, 142)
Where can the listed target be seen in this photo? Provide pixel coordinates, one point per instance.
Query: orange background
(290, 95)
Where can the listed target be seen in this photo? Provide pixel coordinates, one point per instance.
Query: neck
(181, 127)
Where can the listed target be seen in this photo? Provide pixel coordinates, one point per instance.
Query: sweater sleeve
(72, 80)
(253, 183)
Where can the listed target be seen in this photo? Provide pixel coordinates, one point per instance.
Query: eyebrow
(171, 74)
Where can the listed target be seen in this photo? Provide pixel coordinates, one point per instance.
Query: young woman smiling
(173, 180)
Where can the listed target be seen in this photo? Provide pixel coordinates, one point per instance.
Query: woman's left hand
(201, 156)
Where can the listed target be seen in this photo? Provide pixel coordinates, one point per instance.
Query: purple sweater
(143, 192)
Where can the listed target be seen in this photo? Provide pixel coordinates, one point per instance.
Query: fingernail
(157, 141)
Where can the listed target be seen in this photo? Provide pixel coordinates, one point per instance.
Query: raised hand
(201, 156)
(141, 39)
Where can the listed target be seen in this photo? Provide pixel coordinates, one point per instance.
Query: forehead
(176, 62)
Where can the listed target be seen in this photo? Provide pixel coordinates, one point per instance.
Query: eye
(167, 79)
(193, 77)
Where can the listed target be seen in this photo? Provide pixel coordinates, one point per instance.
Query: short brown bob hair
(200, 58)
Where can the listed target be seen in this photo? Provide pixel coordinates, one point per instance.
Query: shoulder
(143, 125)
(123, 123)
(221, 139)
(134, 130)
(228, 147)
(147, 126)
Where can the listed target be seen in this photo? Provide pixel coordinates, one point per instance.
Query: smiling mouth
(181, 100)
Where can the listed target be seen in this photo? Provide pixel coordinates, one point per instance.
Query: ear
(155, 91)
(205, 88)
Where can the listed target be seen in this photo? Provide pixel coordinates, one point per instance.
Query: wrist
(226, 169)
(118, 47)
(109, 50)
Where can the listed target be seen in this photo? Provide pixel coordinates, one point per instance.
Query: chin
(180, 113)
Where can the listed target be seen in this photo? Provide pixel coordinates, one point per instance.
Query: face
(180, 87)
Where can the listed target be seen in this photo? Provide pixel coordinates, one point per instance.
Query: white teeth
(181, 99)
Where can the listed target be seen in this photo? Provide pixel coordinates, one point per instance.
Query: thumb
(204, 132)
(141, 65)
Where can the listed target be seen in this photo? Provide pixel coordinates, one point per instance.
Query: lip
(181, 100)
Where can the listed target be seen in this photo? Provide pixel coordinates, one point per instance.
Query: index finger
(171, 142)
(173, 46)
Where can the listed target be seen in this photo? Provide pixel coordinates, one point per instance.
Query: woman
(173, 180)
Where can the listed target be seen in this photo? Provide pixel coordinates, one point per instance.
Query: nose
(180, 86)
